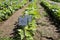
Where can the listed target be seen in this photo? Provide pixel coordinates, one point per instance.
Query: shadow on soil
(16, 35)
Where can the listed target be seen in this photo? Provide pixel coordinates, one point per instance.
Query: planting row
(8, 7)
(28, 23)
(52, 8)
(56, 0)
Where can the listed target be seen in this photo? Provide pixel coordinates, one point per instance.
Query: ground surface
(46, 30)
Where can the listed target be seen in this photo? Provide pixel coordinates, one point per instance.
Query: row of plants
(52, 8)
(29, 30)
(8, 7)
(6, 38)
(56, 0)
